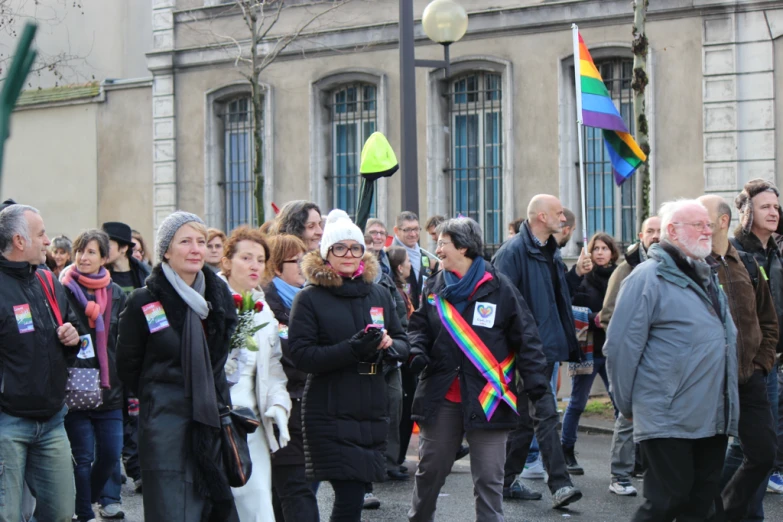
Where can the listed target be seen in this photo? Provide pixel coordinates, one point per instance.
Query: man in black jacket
(34, 363)
(532, 261)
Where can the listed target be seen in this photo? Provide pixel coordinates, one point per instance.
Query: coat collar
(319, 273)
(532, 245)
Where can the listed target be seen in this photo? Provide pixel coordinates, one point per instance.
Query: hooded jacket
(344, 413)
(522, 261)
(753, 313)
(674, 357)
(633, 257)
(513, 330)
(33, 361)
(770, 260)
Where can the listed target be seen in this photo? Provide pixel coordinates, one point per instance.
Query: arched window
(610, 208)
(476, 152)
(353, 110)
(239, 183)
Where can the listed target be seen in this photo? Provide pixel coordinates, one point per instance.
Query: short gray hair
(464, 233)
(406, 216)
(670, 209)
(62, 243)
(372, 222)
(13, 222)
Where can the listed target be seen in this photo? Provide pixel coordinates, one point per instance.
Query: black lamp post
(444, 22)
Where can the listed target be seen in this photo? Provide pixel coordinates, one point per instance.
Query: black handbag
(235, 423)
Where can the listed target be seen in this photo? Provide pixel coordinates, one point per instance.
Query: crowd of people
(336, 340)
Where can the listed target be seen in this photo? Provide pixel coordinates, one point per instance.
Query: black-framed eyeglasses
(411, 230)
(341, 250)
(297, 261)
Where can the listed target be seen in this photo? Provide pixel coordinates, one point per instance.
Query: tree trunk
(641, 127)
(258, 119)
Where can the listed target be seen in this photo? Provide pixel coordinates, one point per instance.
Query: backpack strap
(49, 291)
(753, 268)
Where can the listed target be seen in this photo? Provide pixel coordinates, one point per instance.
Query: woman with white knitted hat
(342, 328)
(174, 337)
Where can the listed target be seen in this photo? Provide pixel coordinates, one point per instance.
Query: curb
(603, 430)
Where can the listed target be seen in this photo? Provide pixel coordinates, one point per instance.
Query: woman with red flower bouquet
(253, 369)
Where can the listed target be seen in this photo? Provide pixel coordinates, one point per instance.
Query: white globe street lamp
(444, 21)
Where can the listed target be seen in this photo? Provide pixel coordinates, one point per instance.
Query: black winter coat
(514, 331)
(523, 262)
(150, 364)
(344, 413)
(113, 399)
(590, 294)
(33, 365)
(293, 454)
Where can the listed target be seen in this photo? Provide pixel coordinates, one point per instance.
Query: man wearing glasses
(424, 264)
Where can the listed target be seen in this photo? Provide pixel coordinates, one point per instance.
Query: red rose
(259, 306)
(238, 300)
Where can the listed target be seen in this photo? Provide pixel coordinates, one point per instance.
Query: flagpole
(580, 134)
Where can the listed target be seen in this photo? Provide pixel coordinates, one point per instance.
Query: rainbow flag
(596, 109)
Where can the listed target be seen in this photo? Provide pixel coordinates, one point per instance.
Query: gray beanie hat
(169, 227)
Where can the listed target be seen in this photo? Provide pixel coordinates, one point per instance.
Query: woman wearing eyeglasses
(293, 499)
(342, 326)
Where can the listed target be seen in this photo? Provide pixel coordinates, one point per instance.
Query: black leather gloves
(364, 345)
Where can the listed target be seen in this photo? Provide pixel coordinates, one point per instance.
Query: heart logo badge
(485, 311)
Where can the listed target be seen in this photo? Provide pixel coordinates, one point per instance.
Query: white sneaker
(775, 484)
(622, 487)
(534, 471)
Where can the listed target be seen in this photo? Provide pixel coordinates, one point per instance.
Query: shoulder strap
(50, 295)
(752, 266)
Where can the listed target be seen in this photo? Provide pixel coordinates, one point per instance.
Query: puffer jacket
(521, 260)
(113, 399)
(771, 261)
(344, 413)
(674, 358)
(513, 331)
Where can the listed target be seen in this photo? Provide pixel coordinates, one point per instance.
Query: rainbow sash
(497, 374)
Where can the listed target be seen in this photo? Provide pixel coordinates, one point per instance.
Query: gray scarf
(414, 254)
(196, 364)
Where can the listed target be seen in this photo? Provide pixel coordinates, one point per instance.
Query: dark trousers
(759, 444)
(540, 417)
(292, 497)
(409, 382)
(348, 501)
(682, 478)
(130, 447)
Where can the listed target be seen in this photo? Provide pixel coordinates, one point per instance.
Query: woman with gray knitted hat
(174, 339)
(342, 330)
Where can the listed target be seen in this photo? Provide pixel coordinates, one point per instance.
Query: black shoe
(572, 465)
(463, 452)
(404, 469)
(397, 475)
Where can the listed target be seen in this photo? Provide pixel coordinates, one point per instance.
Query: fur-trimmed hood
(319, 273)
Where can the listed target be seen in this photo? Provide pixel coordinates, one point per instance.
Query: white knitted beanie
(339, 227)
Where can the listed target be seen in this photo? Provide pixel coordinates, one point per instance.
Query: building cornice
(546, 17)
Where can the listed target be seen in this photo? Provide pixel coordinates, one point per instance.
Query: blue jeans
(580, 392)
(37, 452)
(533, 454)
(735, 456)
(112, 490)
(96, 439)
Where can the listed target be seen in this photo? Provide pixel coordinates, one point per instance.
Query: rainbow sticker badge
(282, 330)
(155, 316)
(376, 314)
(484, 315)
(24, 318)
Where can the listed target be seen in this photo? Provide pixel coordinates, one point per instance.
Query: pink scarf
(98, 312)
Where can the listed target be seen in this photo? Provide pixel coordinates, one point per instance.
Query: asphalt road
(456, 502)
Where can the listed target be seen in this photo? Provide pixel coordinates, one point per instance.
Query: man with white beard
(672, 343)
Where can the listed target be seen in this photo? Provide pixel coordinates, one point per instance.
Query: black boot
(572, 465)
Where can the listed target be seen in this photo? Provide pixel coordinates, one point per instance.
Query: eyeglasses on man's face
(698, 225)
(411, 230)
(341, 250)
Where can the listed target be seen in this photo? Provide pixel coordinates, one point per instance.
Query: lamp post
(444, 22)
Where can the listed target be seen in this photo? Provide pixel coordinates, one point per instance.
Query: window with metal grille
(610, 208)
(476, 166)
(239, 183)
(354, 118)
